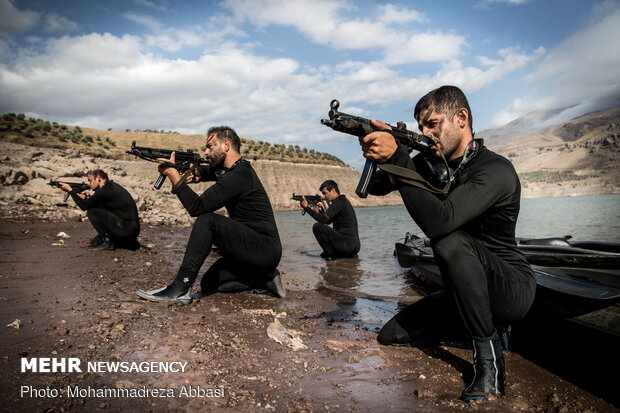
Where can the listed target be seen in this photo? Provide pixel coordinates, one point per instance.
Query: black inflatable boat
(577, 280)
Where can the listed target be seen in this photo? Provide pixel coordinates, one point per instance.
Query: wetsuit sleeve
(206, 173)
(491, 180)
(328, 216)
(380, 184)
(227, 188)
(101, 196)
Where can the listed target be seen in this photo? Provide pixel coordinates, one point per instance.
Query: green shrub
(550, 176)
(29, 132)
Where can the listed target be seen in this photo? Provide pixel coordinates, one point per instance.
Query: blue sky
(269, 68)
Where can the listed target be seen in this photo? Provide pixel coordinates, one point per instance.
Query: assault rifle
(357, 126)
(184, 162)
(314, 200)
(75, 186)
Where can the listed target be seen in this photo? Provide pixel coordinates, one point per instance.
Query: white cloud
(13, 20)
(151, 5)
(487, 3)
(103, 80)
(173, 40)
(609, 98)
(107, 81)
(583, 66)
(424, 47)
(401, 15)
(327, 22)
(54, 22)
(378, 83)
(315, 18)
(115, 79)
(144, 20)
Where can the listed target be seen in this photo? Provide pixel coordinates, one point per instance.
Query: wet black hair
(329, 185)
(228, 133)
(447, 100)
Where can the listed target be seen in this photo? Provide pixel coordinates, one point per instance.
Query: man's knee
(206, 219)
(446, 247)
(94, 213)
(318, 228)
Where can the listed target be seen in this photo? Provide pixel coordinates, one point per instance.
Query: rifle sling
(413, 178)
(180, 182)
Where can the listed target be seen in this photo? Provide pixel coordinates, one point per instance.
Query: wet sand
(72, 301)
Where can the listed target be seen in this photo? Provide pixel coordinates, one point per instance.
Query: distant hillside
(17, 128)
(583, 152)
(516, 129)
(35, 151)
(26, 170)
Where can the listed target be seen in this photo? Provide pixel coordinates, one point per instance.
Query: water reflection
(343, 273)
(374, 272)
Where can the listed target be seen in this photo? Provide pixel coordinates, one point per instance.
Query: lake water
(376, 283)
(370, 288)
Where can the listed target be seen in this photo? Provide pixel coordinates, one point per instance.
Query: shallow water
(374, 271)
(594, 218)
(370, 287)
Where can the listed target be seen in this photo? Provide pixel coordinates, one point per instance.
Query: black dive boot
(274, 286)
(489, 369)
(179, 291)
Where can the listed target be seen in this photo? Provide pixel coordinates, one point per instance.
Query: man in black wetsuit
(111, 210)
(342, 240)
(488, 281)
(248, 239)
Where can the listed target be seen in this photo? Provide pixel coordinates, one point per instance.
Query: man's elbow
(193, 212)
(434, 231)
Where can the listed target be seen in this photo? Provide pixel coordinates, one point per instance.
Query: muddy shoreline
(72, 301)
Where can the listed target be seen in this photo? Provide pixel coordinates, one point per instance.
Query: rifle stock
(358, 126)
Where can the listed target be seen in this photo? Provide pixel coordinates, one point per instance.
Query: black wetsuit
(472, 231)
(248, 239)
(342, 240)
(113, 213)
